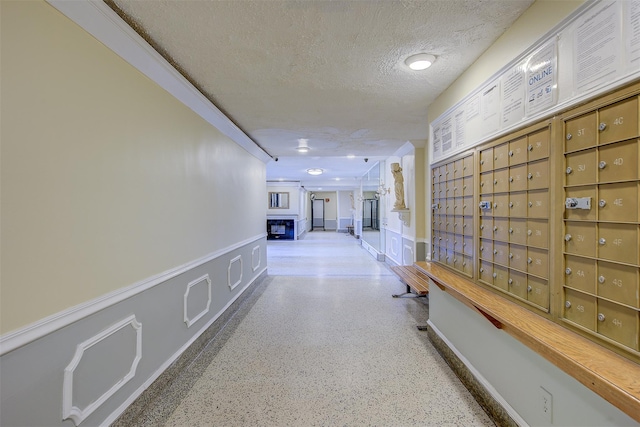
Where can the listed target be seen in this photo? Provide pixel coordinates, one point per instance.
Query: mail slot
(501, 156)
(538, 204)
(486, 227)
(457, 187)
(580, 238)
(518, 257)
(458, 243)
(458, 202)
(467, 186)
(467, 206)
(501, 253)
(538, 262)
(580, 308)
(618, 162)
(618, 242)
(580, 132)
(486, 160)
(467, 245)
(458, 169)
(619, 121)
(518, 178)
(618, 282)
(450, 171)
(618, 323)
(501, 229)
(538, 146)
(518, 230)
(580, 273)
(517, 284)
(538, 175)
(486, 182)
(451, 221)
(486, 249)
(501, 277)
(518, 151)
(467, 166)
(501, 204)
(518, 204)
(501, 180)
(586, 192)
(581, 168)
(485, 272)
(618, 202)
(538, 233)
(467, 225)
(467, 265)
(538, 291)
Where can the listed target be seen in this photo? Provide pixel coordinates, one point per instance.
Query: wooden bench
(414, 278)
(611, 376)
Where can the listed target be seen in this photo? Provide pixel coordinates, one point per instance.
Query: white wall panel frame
(69, 410)
(198, 316)
(229, 272)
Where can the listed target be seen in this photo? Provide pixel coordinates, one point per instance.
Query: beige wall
(541, 17)
(330, 207)
(106, 179)
(294, 199)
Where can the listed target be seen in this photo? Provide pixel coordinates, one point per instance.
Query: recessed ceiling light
(420, 61)
(303, 145)
(314, 171)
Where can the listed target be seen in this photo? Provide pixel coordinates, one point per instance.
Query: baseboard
(484, 393)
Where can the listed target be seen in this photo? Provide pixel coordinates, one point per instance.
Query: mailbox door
(538, 233)
(538, 175)
(580, 273)
(618, 242)
(580, 238)
(518, 231)
(618, 162)
(618, 323)
(618, 202)
(518, 151)
(538, 145)
(581, 167)
(619, 121)
(618, 282)
(580, 308)
(538, 204)
(518, 284)
(578, 193)
(518, 178)
(580, 132)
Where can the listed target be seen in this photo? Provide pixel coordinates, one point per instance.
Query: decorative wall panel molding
(255, 258)
(408, 255)
(202, 281)
(23, 336)
(77, 414)
(395, 246)
(230, 273)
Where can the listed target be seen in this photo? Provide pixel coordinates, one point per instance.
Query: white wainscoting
(234, 272)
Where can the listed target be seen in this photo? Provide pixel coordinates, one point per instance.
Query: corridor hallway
(321, 342)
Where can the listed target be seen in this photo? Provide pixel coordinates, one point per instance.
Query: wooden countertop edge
(606, 373)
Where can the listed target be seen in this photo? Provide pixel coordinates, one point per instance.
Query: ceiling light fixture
(314, 171)
(420, 61)
(303, 145)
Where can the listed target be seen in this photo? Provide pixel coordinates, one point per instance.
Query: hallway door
(317, 214)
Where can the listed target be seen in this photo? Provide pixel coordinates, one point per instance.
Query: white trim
(481, 379)
(406, 148)
(238, 258)
(254, 265)
(106, 26)
(71, 411)
(32, 332)
(191, 284)
(115, 414)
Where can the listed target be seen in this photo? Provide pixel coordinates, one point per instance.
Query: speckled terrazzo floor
(322, 343)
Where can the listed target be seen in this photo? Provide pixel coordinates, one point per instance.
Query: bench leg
(408, 294)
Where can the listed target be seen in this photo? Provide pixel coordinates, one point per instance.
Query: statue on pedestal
(398, 186)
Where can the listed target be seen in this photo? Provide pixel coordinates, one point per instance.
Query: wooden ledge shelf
(611, 376)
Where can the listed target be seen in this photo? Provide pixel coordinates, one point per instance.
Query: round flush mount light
(314, 171)
(303, 145)
(420, 61)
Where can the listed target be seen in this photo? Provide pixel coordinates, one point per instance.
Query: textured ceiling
(331, 72)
